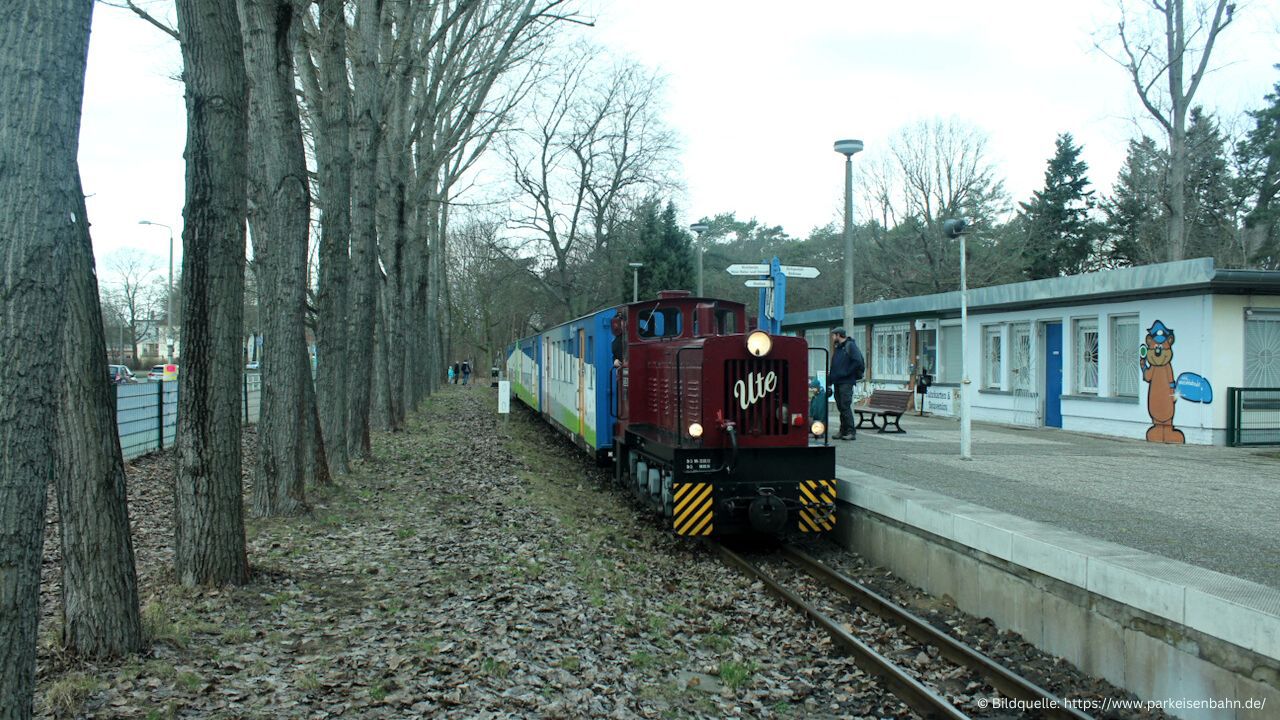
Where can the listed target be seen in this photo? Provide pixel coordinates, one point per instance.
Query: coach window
(659, 323)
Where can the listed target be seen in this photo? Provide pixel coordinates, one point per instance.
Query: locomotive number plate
(697, 464)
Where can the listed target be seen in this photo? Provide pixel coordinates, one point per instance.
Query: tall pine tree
(1258, 185)
(1060, 233)
(1211, 208)
(1135, 213)
(663, 246)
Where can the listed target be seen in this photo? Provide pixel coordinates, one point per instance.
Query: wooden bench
(887, 404)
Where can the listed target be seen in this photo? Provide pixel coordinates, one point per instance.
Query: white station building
(1072, 352)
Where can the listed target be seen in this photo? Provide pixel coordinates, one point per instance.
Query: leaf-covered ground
(482, 568)
(476, 568)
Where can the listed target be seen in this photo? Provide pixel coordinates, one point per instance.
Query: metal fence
(147, 413)
(1253, 416)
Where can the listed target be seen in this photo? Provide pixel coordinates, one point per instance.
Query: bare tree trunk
(333, 155)
(280, 226)
(380, 414)
(391, 201)
(1147, 57)
(364, 255)
(42, 60)
(317, 461)
(99, 584)
(209, 542)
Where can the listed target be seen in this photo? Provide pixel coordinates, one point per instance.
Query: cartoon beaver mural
(1156, 356)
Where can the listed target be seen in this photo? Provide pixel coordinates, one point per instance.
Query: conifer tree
(663, 246)
(1258, 184)
(1060, 233)
(1211, 209)
(1135, 222)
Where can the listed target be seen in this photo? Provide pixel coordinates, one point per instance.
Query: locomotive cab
(712, 423)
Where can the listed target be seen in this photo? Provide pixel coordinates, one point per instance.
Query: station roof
(1186, 277)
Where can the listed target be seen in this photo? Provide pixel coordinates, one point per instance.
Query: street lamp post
(958, 229)
(699, 228)
(848, 148)
(168, 312)
(635, 280)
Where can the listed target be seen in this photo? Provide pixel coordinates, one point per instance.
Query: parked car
(156, 373)
(251, 366)
(120, 374)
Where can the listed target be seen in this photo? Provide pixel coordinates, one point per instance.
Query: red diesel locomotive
(712, 422)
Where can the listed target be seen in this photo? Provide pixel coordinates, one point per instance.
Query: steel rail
(1001, 678)
(912, 692)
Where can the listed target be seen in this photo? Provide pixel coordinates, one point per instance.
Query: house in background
(1109, 352)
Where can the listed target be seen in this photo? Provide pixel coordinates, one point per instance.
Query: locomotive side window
(726, 322)
(659, 323)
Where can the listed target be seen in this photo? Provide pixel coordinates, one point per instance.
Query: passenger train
(704, 422)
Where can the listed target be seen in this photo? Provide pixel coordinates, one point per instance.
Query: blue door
(1053, 375)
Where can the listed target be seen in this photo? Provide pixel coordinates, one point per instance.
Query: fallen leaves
(473, 569)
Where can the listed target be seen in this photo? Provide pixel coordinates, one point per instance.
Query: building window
(1262, 349)
(1086, 355)
(818, 340)
(991, 367)
(1020, 357)
(1125, 370)
(950, 364)
(927, 352)
(890, 344)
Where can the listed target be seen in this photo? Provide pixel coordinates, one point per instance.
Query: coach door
(544, 390)
(581, 382)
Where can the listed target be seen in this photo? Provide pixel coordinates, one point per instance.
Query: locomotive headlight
(695, 430)
(817, 428)
(759, 343)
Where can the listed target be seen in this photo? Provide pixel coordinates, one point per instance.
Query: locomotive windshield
(659, 323)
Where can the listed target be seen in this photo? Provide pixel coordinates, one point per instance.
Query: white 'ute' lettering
(756, 385)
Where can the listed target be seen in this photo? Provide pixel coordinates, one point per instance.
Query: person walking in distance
(450, 374)
(466, 372)
(847, 367)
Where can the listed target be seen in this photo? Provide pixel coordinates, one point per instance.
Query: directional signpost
(799, 271)
(772, 281)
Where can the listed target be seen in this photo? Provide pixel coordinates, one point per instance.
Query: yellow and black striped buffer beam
(818, 505)
(692, 515)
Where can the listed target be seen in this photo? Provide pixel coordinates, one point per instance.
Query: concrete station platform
(1154, 566)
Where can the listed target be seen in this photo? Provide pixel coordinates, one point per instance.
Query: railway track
(915, 694)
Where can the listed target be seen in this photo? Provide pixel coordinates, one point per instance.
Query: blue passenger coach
(564, 374)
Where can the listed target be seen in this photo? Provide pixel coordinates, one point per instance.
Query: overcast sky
(757, 91)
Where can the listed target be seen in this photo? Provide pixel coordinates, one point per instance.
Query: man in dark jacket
(847, 367)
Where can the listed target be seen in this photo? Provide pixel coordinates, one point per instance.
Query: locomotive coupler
(767, 513)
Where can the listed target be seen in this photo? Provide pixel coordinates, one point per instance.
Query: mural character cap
(1159, 333)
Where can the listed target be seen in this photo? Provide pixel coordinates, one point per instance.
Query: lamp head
(635, 265)
(698, 227)
(955, 227)
(848, 147)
